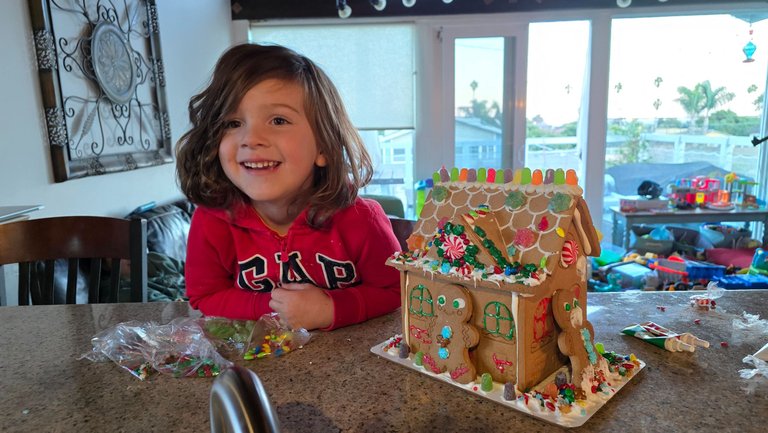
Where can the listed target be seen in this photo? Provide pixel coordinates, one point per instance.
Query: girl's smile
(260, 165)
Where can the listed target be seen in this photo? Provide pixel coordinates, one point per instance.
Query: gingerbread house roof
(505, 234)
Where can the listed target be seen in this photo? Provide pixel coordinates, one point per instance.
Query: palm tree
(758, 103)
(713, 98)
(488, 114)
(702, 99)
(473, 85)
(692, 102)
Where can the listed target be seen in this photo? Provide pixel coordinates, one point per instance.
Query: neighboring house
(477, 143)
(490, 268)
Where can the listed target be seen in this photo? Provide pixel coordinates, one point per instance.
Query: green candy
(439, 193)
(525, 176)
(515, 200)
(486, 382)
(480, 232)
(559, 202)
(481, 175)
(418, 358)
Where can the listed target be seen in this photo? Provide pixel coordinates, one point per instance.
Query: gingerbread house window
(421, 302)
(543, 326)
(497, 320)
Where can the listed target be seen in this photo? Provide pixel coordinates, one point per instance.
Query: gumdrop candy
(486, 382)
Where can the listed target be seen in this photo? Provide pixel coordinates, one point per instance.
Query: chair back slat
(91, 247)
(44, 292)
(114, 282)
(72, 266)
(94, 280)
(24, 283)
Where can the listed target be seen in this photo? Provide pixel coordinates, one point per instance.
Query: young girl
(274, 164)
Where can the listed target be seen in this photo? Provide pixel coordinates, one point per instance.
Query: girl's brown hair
(334, 186)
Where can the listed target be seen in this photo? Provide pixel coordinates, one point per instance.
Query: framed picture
(102, 84)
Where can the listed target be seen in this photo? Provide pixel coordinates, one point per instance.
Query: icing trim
(515, 307)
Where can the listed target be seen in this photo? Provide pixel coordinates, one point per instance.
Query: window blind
(372, 66)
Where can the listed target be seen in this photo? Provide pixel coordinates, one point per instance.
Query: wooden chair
(89, 241)
(403, 229)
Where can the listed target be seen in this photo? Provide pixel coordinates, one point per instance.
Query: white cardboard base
(578, 415)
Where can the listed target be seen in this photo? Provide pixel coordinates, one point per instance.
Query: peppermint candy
(570, 253)
(454, 247)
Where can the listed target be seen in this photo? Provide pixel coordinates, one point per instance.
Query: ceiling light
(379, 5)
(344, 10)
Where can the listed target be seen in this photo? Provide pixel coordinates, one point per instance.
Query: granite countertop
(335, 384)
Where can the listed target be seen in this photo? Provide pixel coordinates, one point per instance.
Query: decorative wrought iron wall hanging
(102, 84)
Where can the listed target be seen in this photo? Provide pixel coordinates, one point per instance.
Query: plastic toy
(695, 192)
(759, 265)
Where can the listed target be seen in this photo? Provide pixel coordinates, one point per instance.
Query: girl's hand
(303, 306)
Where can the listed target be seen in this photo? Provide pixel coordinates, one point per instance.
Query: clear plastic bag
(230, 337)
(179, 349)
(122, 344)
(187, 347)
(272, 337)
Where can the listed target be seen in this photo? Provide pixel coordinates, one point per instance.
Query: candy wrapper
(706, 301)
(759, 360)
(178, 349)
(662, 337)
(272, 337)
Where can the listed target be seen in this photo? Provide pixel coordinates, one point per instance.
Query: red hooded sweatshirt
(234, 261)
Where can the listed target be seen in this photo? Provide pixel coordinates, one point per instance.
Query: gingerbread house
(495, 278)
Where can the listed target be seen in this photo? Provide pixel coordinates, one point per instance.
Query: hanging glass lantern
(750, 48)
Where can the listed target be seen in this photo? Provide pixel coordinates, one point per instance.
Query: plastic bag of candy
(272, 337)
(178, 349)
(228, 335)
(123, 344)
(181, 349)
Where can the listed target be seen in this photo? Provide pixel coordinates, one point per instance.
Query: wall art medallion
(103, 86)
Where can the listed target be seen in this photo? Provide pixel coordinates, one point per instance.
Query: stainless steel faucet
(239, 403)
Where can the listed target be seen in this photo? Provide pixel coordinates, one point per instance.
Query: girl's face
(268, 149)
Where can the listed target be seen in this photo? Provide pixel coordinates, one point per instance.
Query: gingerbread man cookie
(576, 338)
(454, 336)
